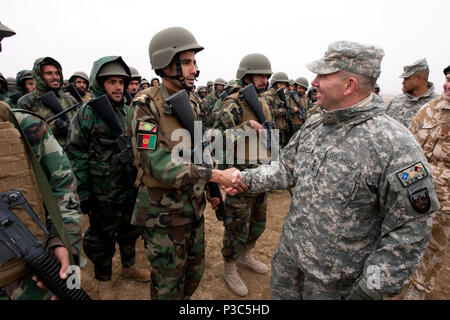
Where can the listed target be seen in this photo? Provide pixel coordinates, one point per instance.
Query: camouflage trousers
(290, 282)
(25, 288)
(432, 261)
(177, 257)
(108, 226)
(248, 214)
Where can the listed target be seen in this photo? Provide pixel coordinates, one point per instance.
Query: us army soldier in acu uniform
(105, 183)
(417, 91)
(171, 200)
(47, 75)
(248, 210)
(364, 197)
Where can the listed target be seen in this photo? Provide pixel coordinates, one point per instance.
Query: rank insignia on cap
(146, 141)
(146, 127)
(412, 174)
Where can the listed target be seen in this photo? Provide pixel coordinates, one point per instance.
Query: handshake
(229, 180)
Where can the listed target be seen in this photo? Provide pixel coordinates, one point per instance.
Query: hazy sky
(289, 33)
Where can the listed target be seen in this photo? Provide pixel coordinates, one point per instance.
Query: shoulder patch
(146, 135)
(412, 174)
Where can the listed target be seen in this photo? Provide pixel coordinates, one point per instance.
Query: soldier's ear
(351, 85)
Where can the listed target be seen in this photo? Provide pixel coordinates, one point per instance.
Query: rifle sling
(45, 189)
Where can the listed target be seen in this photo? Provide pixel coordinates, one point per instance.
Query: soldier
(248, 210)
(209, 86)
(105, 183)
(291, 85)
(431, 126)
(277, 107)
(300, 86)
(171, 200)
(364, 197)
(155, 82)
(47, 75)
(214, 95)
(133, 86)
(144, 84)
(313, 107)
(417, 91)
(212, 114)
(25, 82)
(202, 92)
(81, 82)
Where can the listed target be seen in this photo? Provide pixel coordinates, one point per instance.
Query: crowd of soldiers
(363, 192)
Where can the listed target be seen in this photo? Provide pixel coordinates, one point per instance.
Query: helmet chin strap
(179, 76)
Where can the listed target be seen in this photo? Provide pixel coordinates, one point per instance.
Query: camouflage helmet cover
(254, 63)
(167, 43)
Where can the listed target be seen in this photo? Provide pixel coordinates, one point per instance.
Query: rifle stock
(280, 93)
(302, 113)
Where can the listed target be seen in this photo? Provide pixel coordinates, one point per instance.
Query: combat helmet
(302, 82)
(134, 73)
(202, 89)
(79, 74)
(116, 67)
(279, 77)
(5, 31)
(254, 63)
(220, 81)
(167, 43)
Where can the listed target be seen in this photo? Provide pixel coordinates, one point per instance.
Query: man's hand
(229, 178)
(214, 201)
(256, 125)
(63, 256)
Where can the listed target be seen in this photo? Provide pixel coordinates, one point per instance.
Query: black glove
(85, 206)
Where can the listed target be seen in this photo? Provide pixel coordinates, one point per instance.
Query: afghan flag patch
(146, 141)
(412, 174)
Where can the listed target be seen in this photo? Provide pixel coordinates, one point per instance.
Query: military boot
(414, 294)
(232, 279)
(136, 273)
(106, 290)
(246, 260)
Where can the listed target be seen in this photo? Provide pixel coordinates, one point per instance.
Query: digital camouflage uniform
(105, 184)
(431, 127)
(32, 103)
(405, 106)
(56, 167)
(364, 198)
(350, 210)
(170, 201)
(248, 210)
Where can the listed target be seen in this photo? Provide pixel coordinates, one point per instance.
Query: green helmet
(220, 81)
(229, 84)
(144, 81)
(202, 89)
(22, 76)
(302, 82)
(79, 74)
(5, 31)
(11, 81)
(209, 83)
(113, 68)
(279, 77)
(134, 73)
(167, 43)
(254, 63)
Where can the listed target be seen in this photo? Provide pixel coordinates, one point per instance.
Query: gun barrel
(74, 92)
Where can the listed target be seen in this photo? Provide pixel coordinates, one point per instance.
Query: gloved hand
(86, 206)
(62, 126)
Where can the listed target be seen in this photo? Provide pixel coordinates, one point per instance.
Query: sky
(290, 33)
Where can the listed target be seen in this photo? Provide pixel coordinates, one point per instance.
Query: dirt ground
(212, 286)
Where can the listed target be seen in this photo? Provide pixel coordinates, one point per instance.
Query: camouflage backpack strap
(45, 189)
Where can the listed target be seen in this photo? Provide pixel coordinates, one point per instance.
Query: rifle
(16, 241)
(74, 92)
(302, 113)
(280, 93)
(51, 101)
(128, 97)
(251, 97)
(103, 108)
(179, 105)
